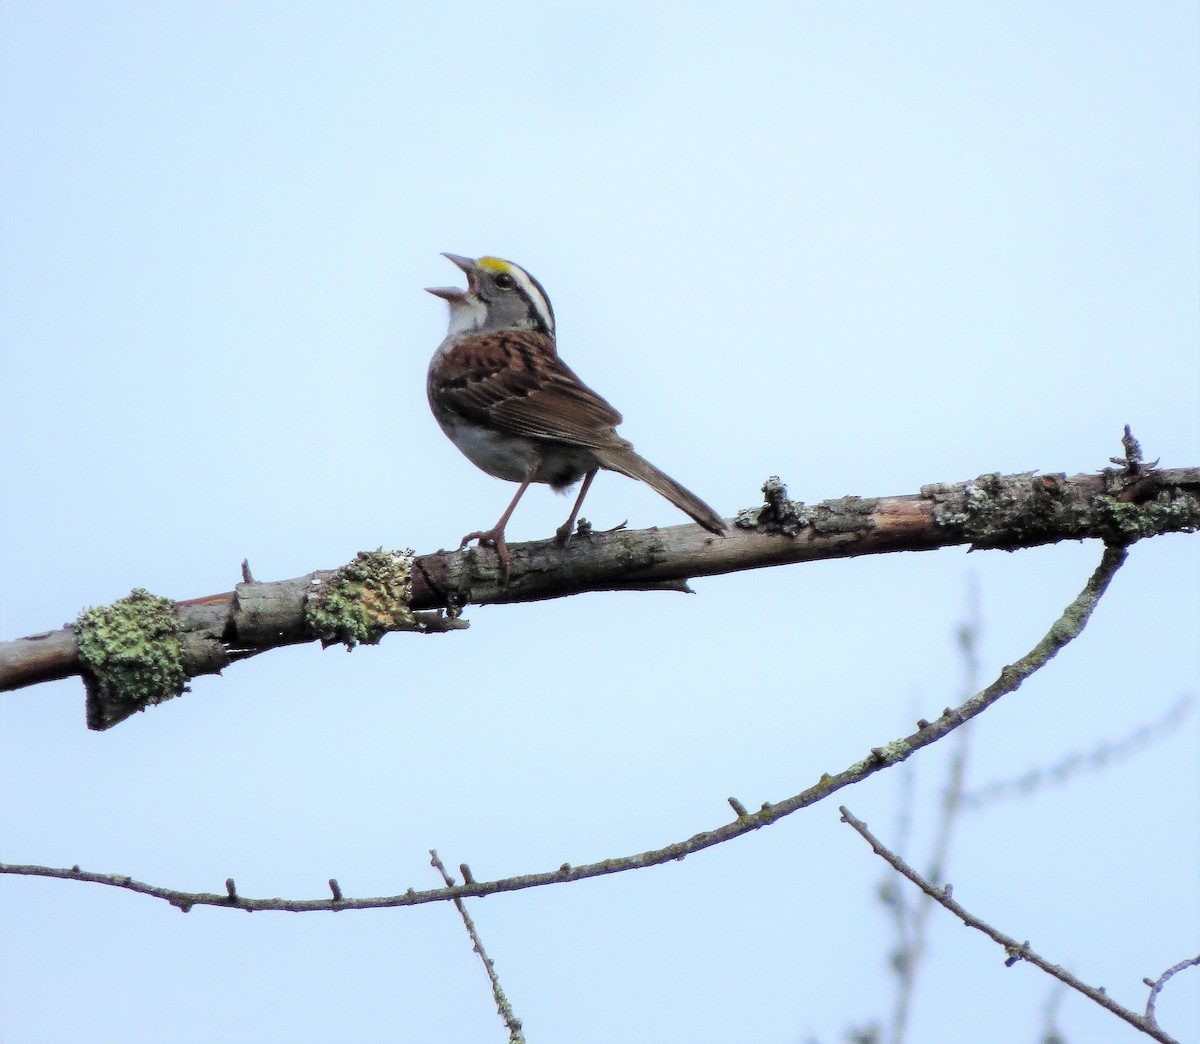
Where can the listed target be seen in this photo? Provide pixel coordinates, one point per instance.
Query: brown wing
(514, 381)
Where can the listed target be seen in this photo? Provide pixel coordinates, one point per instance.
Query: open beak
(453, 293)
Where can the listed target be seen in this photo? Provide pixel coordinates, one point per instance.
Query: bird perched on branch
(503, 396)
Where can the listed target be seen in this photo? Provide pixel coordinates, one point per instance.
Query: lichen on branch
(363, 600)
(132, 656)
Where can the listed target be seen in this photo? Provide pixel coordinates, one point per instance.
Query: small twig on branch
(1156, 985)
(1064, 630)
(1134, 464)
(515, 1035)
(1016, 951)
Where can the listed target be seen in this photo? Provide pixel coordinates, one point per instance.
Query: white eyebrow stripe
(531, 289)
(527, 285)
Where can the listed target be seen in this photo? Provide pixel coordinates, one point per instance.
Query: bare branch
(1066, 628)
(1017, 951)
(1103, 756)
(515, 1034)
(1157, 985)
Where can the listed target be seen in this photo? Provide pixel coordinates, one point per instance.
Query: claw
(492, 538)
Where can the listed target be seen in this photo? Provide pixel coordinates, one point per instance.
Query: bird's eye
(505, 282)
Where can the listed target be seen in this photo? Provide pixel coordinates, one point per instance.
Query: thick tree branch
(1064, 630)
(369, 597)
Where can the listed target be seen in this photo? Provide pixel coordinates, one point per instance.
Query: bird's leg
(494, 537)
(563, 533)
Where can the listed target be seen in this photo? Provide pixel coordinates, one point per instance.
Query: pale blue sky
(864, 247)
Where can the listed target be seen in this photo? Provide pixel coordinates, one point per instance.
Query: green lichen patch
(1009, 511)
(363, 600)
(1124, 523)
(894, 752)
(132, 654)
(1022, 510)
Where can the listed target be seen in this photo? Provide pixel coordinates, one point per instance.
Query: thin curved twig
(1065, 629)
(1156, 985)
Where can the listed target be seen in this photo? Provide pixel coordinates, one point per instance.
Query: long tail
(627, 462)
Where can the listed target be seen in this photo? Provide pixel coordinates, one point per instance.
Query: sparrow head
(499, 296)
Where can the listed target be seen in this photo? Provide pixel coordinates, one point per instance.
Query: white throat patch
(466, 314)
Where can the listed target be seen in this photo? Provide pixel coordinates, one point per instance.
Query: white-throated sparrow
(501, 393)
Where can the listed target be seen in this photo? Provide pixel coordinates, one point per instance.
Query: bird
(500, 392)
